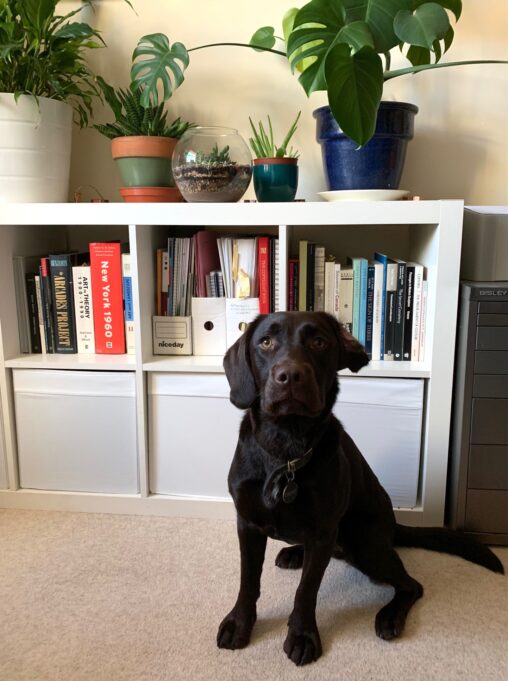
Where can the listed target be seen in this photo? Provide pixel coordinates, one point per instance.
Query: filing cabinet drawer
(490, 386)
(488, 467)
(493, 308)
(492, 320)
(492, 338)
(489, 422)
(486, 511)
(490, 362)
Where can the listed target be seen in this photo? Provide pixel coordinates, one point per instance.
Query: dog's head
(289, 360)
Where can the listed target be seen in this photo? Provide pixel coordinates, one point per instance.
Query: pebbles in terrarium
(212, 164)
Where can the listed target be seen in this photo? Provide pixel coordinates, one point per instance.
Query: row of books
(382, 302)
(208, 265)
(76, 303)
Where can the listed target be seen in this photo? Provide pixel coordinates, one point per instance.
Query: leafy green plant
(263, 145)
(216, 157)
(342, 47)
(131, 118)
(42, 53)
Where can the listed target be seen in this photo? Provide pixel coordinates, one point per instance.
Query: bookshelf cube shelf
(428, 232)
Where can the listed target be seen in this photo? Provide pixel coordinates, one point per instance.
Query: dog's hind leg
(290, 557)
(379, 561)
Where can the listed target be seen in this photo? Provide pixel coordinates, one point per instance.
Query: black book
(370, 310)
(64, 321)
(390, 296)
(408, 311)
(398, 331)
(47, 305)
(33, 313)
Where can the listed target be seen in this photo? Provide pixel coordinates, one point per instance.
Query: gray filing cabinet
(477, 499)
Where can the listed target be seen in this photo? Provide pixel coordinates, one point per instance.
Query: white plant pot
(35, 149)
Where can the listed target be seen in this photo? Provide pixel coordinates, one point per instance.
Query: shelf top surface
(258, 214)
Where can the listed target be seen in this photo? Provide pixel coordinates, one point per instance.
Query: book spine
(319, 278)
(291, 284)
(383, 259)
(329, 304)
(369, 317)
(263, 275)
(38, 294)
(311, 268)
(415, 341)
(128, 304)
(158, 282)
(391, 288)
(106, 273)
(47, 305)
(364, 267)
(337, 302)
(84, 309)
(302, 287)
(356, 297)
(168, 278)
(398, 332)
(408, 312)
(33, 314)
(423, 321)
(276, 306)
(346, 298)
(60, 268)
(377, 323)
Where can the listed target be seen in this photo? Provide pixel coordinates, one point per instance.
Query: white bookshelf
(425, 231)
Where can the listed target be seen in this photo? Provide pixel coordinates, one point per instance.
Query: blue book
(383, 259)
(360, 267)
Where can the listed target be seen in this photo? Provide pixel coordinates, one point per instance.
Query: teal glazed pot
(275, 179)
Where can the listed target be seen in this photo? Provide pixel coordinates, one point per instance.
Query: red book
(107, 297)
(264, 274)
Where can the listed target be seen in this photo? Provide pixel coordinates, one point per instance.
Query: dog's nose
(286, 374)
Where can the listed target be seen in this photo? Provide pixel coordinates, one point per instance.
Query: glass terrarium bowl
(212, 165)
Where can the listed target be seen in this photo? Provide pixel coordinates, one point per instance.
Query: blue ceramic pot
(378, 164)
(275, 179)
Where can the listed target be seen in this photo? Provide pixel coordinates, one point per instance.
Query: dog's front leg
(235, 629)
(303, 644)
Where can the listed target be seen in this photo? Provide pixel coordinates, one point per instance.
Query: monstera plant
(342, 47)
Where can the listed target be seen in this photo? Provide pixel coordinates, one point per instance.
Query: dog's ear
(238, 370)
(352, 354)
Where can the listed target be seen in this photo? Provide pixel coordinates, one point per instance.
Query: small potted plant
(275, 167)
(142, 144)
(212, 164)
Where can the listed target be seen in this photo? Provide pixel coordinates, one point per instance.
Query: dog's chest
(289, 522)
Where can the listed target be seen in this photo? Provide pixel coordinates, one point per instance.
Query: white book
(423, 321)
(377, 311)
(330, 287)
(346, 298)
(38, 296)
(417, 313)
(82, 287)
(128, 304)
(319, 278)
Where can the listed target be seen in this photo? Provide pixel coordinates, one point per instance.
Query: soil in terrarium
(213, 177)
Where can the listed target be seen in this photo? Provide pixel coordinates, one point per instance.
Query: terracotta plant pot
(275, 179)
(151, 194)
(144, 161)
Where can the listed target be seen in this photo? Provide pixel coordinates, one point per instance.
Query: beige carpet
(102, 597)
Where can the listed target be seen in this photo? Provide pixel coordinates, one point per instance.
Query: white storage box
(209, 326)
(384, 418)
(76, 430)
(193, 431)
(172, 336)
(240, 312)
(3, 463)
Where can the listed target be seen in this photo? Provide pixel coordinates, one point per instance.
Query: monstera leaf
(163, 63)
(428, 23)
(379, 15)
(355, 86)
(264, 38)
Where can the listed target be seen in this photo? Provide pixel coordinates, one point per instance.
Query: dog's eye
(318, 343)
(266, 343)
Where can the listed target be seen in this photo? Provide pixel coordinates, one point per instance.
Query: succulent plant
(215, 157)
(263, 145)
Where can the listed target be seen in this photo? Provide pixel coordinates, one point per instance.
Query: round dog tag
(290, 492)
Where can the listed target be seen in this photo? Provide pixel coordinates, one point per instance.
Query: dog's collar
(274, 488)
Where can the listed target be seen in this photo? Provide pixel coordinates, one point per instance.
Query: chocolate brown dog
(297, 476)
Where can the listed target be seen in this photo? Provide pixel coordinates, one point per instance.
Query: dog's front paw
(390, 623)
(290, 558)
(235, 630)
(302, 647)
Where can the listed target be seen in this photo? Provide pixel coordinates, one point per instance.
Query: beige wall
(460, 148)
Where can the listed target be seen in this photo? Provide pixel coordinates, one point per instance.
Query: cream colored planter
(35, 149)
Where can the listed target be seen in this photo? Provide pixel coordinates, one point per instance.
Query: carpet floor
(89, 597)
